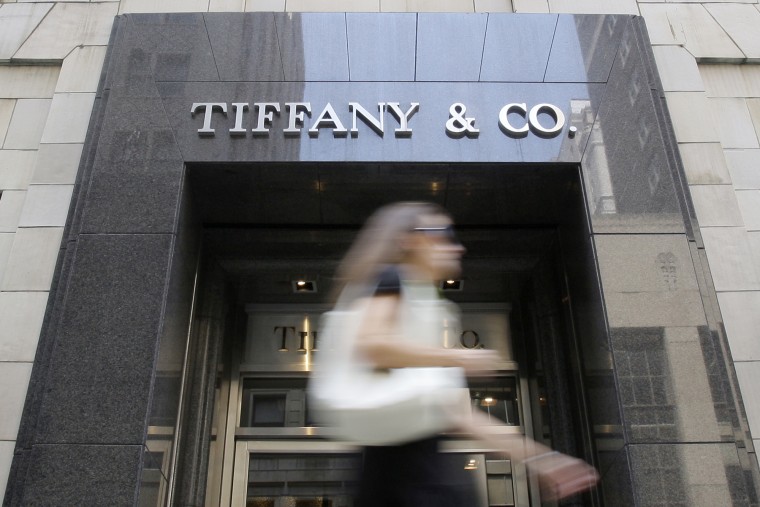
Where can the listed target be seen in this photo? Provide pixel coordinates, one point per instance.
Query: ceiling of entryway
(269, 225)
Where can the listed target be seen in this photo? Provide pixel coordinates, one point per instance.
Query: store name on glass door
(307, 340)
(516, 119)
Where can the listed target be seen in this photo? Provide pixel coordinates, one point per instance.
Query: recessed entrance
(251, 345)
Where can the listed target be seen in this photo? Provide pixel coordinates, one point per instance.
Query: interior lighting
(304, 286)
(452, 285)
(488, 401)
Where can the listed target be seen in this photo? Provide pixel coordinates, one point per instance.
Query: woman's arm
(380, 342)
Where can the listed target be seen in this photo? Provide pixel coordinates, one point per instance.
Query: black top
(388, 282)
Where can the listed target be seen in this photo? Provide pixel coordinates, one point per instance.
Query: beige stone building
(707, 56)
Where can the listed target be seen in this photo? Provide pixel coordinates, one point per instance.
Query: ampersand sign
(458, 125)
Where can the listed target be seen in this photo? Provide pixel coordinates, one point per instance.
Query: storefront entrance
(258, 328)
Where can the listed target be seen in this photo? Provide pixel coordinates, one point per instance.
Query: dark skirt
(415, 475)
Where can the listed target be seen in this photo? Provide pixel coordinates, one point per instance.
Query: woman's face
(433, 249)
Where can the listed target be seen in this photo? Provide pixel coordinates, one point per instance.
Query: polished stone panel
(645, 263)
(131, 197)
(627, 175)
(463, 52)
(105, 348)
(153, 140)
(667, 392)
(85, 475)
(135, 173)
(254, 58)
(667, 364)
(699, 475)
(744, 167)
(576, 39)
(704, 164)
(27, 124)
(381, 48)
(14, 378)
(16, 167)
(645, 309)
(517, 49)
(313, 46)
(178, 46)
(15, 32)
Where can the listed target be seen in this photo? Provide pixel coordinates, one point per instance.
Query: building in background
(169, 170)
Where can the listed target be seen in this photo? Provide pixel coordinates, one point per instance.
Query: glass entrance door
(295, 474)
(325, 474)
(267, 451)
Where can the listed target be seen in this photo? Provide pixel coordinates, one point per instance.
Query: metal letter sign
(543, 120)
(533, 123)
(459, 125)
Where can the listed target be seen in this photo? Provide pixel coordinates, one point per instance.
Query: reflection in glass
(274, 403)
(302, 480)
(497, 398)
(153, 481)
(266, 410)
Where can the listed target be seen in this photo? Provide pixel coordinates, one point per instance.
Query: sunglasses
(444, 232)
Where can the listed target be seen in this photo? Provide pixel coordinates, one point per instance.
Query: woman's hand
(475, 361)
(561, 475)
